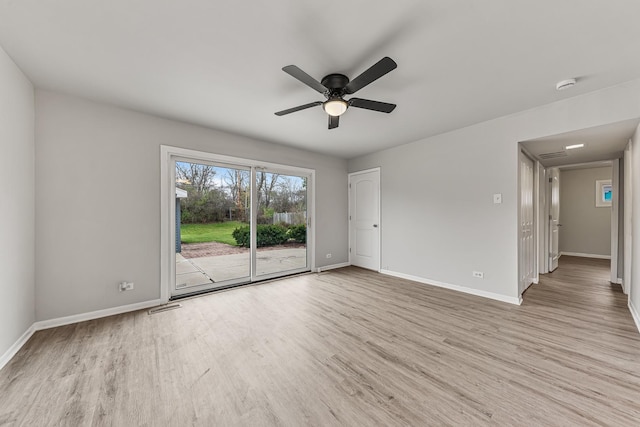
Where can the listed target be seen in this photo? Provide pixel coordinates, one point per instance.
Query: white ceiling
(600, 143)
(218, 63)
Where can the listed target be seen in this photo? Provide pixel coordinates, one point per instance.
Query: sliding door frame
(204, 287)
(167, 211)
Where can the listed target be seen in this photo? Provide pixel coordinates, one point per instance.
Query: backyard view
(213, 215)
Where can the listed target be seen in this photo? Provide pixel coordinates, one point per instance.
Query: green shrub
(266, 235)
(269, 235)
(242, 236)
(298, 233)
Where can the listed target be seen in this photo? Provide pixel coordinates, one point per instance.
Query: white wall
(586, 229)
(438, 219)
(17, 212)
(98, 198)
(634, 282)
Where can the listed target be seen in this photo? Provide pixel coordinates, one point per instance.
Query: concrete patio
(214, 269)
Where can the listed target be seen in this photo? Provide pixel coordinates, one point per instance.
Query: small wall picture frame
(604, 193)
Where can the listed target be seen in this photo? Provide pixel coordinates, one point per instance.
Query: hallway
(582, 284)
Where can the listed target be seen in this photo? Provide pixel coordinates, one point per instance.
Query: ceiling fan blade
(334, 121)
(298, 108)
(382, 107)
(376, 71)
(305, 78)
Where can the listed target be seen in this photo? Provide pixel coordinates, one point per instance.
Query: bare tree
(266, 183)
(237, 181)
(289, 195)
(198, 177)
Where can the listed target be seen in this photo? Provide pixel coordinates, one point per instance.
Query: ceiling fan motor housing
(335, 83)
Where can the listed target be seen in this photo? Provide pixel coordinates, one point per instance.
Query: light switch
(497, 198)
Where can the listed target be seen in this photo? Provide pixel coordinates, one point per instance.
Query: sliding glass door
(212, 202)
(281, 223)
(236, 223)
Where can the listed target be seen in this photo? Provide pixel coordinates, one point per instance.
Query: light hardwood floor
(345, 347)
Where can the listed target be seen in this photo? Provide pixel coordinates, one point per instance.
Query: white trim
(166, 266)
(8, 355)
(332, 267)
(82, 317)
(585, 165)
(235, 161)
(620, 282)
(377, 168)
(628, 218)
(615, 183)
(67, 320)
(476, 292)
(579, 254)
(635, 315)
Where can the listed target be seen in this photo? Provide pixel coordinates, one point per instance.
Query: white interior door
(527, 242)
(554, 218)
(364, 219)
(542, 234)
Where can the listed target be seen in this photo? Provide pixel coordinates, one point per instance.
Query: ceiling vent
(554, 155)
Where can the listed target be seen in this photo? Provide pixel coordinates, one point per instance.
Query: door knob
(375, 225)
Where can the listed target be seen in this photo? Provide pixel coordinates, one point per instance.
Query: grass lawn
(215, 232)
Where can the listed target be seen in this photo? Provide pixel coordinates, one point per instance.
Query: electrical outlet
(126, 286)
(478, 274)
(328, 256)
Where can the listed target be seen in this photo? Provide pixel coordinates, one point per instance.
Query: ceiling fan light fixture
(335, 106)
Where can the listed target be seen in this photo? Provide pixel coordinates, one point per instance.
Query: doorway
(554, 218)
(589, 205)
(231, 221)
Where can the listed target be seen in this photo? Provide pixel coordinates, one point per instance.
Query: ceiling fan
(335, 86)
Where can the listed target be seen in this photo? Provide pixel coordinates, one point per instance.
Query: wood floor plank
(345, 347)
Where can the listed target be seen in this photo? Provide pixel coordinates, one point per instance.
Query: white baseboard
(67, 320)
(332, 266)
(619, 281)
(634, 314)
(61, 321)
(586, 255)
(476, 292)
(8, 355)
